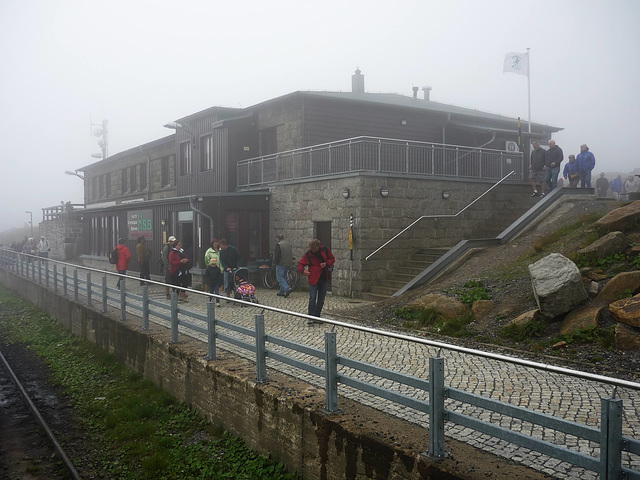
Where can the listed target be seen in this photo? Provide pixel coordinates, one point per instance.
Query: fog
(142, 64)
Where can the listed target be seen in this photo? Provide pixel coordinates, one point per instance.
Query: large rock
(526, 317)
(627, 311)
(557, 285)
(626, 338)
(447, 306)
(623, 218)
(480, 308)
(611, 243)
(619, 286)
(581, 318)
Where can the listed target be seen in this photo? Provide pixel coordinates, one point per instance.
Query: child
(214, 278)
(245, 290)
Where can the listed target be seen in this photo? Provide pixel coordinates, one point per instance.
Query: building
(329, 165)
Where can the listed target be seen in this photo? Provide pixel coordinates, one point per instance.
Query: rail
(442, 404)
(381, 155)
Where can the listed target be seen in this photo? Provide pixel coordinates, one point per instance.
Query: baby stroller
(242, 288)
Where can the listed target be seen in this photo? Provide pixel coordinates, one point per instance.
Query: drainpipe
(444, 137)
(200, 212)
(490, 141)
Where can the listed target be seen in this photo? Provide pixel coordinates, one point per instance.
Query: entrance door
(323, 233)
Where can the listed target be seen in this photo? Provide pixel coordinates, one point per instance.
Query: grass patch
(470, 292)
(603, 337)
(524, 332)
(137, 431)
(422, 317)
(544, 242)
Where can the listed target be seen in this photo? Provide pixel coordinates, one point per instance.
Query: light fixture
(403, 122)
(163, 223)
(75, 174)
(345, 192)
(446, 194)
(173, 125)
(384, 191)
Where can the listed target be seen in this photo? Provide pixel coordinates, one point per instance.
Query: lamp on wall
(384, 191)
(446, 194)
(345, 192)
(403, 122)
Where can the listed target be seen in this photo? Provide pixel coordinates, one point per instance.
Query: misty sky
(140, 64)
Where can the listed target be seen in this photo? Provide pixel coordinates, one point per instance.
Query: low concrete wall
(283, 417)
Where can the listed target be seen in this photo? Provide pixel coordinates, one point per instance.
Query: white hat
(172, 239)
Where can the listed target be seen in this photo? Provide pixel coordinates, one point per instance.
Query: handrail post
(211, 331)
(261, 350)
(174, 317)
(611, 438)
(75, 285)
(64, 280)
(39, 271)
(350, 158)
(406, 159)
(55, 277)
(436, 407)
(145, 307)
(104, 293)
(123, 299)
(379, 155)
(89, 288)
(331, 371)
(46, 274)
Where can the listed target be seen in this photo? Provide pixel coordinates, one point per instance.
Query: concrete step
(373, 297)
(383, 290)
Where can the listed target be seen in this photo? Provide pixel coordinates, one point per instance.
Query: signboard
(140, 223)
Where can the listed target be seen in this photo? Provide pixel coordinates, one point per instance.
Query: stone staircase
(404, 273)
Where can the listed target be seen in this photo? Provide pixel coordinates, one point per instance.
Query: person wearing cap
(586, 162)
(44, 247)
(602, 186)
(212, 261)
(166, 249)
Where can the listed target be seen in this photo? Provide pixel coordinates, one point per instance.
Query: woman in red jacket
(124, 255)
(317, 265)
(179, 266)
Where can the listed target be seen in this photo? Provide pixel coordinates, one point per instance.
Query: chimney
(415, 92)
(357, 82)
(426, 91)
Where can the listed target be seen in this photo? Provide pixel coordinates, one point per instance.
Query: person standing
(630, 186)
(586, 162)
(283, 258)
(124, 255)
(230, 259)
(571, 172)
(144, 259)
(553, 161)
(536, 169)
(44, 247)
(166, 266)
(179, 266)
(213, 273)
(602, 186)
(616, 187)
(317, 264)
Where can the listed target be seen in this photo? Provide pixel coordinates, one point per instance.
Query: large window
(206, 153)
(185, 158)
(143, 176)
(166, 172)
(133, 179)
(123, 181)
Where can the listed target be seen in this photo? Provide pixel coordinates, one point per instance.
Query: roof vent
(426, 91)
(357, 82)
(415, 92)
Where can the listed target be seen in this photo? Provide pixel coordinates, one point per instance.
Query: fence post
(123, 299)
(46, 274)
(89, 288)
(331, 371)
(611, 438)
(55, 277)
(39, 271)
(75, 285)
(174, 317)
(261, 350)
(145, 307)
(104, 293)
(64, 280)
(436, 407)
(211, 331)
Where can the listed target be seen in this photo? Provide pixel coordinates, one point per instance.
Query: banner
(140, 223)
(516, 63)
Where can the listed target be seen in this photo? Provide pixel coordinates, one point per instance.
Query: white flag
(516, 63)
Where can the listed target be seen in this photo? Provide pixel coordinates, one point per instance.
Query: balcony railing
(381, 155)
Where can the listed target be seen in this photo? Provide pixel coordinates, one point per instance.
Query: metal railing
(382, 155)
(429, 396)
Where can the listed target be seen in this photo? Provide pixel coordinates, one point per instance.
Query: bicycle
(269, 279)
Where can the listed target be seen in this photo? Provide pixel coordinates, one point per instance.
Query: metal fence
(382, 155)
(428, 395)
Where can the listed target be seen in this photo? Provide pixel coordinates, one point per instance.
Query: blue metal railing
(609, 438)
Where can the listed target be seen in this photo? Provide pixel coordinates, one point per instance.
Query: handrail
(437, 216)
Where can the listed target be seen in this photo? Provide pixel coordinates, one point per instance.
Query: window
(185, 158)
(206, 153)
(166, 172)
(143, 176)
(133, 180)
(94, 188)
(101, 186)
(123, 181)
(107, 180)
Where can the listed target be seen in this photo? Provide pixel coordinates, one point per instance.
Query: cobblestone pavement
(571, 398)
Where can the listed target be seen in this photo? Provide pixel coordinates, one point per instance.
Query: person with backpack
(179, 268)
(166, 266)
(124, 255)
(317, 264)
(230, 259)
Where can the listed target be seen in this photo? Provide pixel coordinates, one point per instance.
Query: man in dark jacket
(317, 265)
(230, 259)
(602, 185)
(554, 159)
(283, 259)
(536, 169)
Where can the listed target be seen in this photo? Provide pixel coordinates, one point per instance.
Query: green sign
(140, 223)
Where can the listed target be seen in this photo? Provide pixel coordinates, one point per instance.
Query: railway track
(28, 447)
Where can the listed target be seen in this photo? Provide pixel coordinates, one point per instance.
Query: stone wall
(296, 207)
(65, 234)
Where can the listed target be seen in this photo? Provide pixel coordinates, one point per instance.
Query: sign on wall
(140, 222)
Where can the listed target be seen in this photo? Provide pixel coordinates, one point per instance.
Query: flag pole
(529, 84)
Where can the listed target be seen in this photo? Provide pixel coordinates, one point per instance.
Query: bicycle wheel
(269, 279)
(293, 277)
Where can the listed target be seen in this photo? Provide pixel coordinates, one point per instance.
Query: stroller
(242, 288)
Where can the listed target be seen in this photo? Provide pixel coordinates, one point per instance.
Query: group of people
(31, 247)
(619, 189)
(544, 168)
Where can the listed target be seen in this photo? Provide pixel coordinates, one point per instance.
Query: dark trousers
(317, 294)
(121, 272)
(145, 272)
